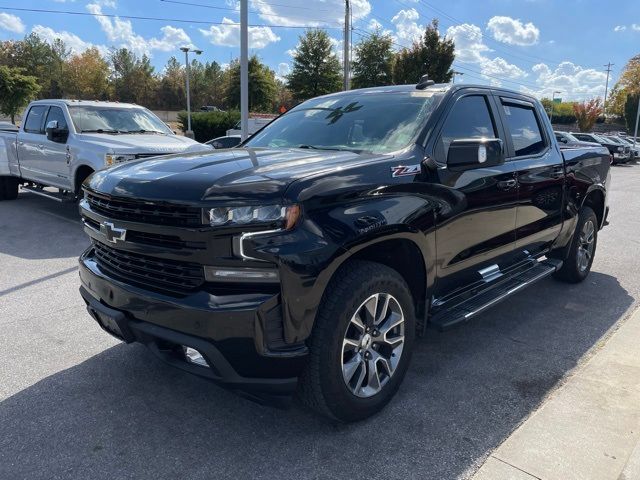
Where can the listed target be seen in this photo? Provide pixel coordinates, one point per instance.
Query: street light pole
(189, 132)
(244, 69)
(553, 102)
(453, 78)
(347, 49)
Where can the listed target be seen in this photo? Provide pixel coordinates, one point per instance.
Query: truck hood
(243, 174)
(139, 143)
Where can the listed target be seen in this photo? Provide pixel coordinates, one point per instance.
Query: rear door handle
(507, 184)
(41, 146)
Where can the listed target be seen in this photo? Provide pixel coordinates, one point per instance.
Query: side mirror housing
(467, 154)
(56, 134)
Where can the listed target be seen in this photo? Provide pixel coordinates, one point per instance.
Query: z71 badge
(404, 170)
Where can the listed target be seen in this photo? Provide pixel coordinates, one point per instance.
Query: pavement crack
(517, 468)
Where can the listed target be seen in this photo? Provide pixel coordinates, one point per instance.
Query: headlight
(113, 158)
(620, 149)
(286, 217)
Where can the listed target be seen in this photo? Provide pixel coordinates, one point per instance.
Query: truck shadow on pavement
(35, 228)
(122, 413)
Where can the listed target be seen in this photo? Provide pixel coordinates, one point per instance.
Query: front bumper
(231, 332)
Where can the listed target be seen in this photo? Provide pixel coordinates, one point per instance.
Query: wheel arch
(596, 200)
(79, 176)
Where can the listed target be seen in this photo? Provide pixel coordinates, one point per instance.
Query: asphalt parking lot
(75, 403)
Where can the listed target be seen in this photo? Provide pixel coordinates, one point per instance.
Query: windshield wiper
(100, 130)
(337, 149)
(142, 130)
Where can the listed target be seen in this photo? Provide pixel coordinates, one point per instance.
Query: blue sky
(539, 46)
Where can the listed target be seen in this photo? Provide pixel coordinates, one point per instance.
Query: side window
(470, 117)
(524, 129)
(35, 117)
(56, 113)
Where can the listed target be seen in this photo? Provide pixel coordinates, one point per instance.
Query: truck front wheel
(361, 344)
(8, 188)
(577, 264)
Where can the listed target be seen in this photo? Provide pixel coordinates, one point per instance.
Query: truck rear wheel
(8, 188)
(577, 264)
(361, 344)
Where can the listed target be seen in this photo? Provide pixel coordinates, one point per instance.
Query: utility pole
(347, 48)
(244, 68)
(189, 132)
(606, 88)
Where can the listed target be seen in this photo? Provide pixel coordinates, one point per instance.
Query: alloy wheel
(372, 345)
(586, 245)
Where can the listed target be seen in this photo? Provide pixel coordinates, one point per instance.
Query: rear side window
(35, 117)
(524, 129)
(56, 113)
(470, 117)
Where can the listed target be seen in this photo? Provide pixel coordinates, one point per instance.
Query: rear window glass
(525, 130)
(33, 123)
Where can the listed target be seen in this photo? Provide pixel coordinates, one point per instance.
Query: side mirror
(466, 154)
(56, 134)
(564, 140)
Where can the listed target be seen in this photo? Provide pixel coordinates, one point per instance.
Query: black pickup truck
(309, 258)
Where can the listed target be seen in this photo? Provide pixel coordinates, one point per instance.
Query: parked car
(619, 141)
(210, 108)
(567, 140)
(61, 142)
(255, 124)
(634, 149)
(229, 141)
(615, 149)
(312, 256)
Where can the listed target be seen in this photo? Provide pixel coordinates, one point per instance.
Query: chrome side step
(58, 197)
(464, 311)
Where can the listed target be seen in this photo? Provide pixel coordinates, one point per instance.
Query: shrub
(208, 125)
(630, 110)
(587, 113)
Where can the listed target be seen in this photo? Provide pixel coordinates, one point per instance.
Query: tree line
(34, 68)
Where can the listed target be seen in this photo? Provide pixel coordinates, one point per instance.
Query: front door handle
(41, 146)
(507, 184)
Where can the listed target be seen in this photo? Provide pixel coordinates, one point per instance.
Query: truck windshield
(376, 122)
(115, 120)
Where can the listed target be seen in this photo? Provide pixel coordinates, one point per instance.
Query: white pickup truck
(61, 142)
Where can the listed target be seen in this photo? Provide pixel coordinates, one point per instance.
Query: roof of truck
(85, 103)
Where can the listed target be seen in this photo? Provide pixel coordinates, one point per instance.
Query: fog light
(194, 356)
(260, 275)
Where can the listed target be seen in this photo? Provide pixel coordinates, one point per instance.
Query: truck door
(54, 163)
(476, 236)
(31, 143)
(540, 170)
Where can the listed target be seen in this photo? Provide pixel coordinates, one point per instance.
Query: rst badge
(405, 170)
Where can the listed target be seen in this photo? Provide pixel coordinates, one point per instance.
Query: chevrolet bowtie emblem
(112, 233)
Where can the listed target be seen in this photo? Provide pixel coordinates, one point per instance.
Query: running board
(58, 197)
(462, 312)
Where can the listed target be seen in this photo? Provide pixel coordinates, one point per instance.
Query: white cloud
(121, 33)
(619, 28)
(635, 27)
(228, 35)
(11, 23)
(71, 40)
(575, 82)
(313, 13)
(407, 28)
(513, 31)
(283, 70)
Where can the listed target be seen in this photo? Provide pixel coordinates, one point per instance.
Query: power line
(157, 19)
(231, 9)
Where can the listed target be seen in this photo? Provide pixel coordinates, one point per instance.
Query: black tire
(322, 386)
(8, 188)
(573, 269)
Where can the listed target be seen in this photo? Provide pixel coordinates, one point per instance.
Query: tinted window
(470, 117)
(524, 129)
(55, 113)
(586, 138)
(33, 123)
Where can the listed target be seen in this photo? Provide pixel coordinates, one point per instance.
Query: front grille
(145, 212)
(149, 271)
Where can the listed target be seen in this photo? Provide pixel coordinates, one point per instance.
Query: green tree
(432, 55)
(133, 78)
(631, 111)
(262, 86)
(16, 90)
(316, 69)
(373, 65)
(171, 88)
(39, 58)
